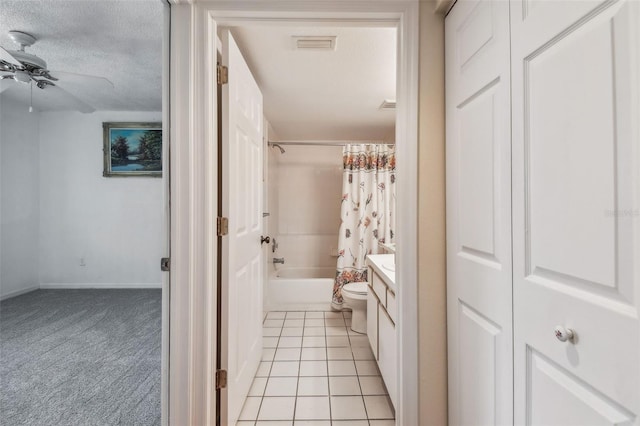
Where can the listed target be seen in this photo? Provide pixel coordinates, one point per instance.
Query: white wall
(112, 225)
(19, 194)
(308, 186)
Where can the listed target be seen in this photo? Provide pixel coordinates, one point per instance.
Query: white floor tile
(270, 332)
(246, 423)
(367, 368)
(382, 422)
(277, 408)
(287, 354)
(347, 322)
(341, 368)
(314, 315)
(359, 341)
(336, 331)
(314, 354)
(379, 407)
(344, 385)
(269, 342)
(267, 354)
(363, 353)
(347, 408)
(312, 423)
(339, 353)
(270, 323)
(291, 331)
(312, 408)
(337, 341)
(290, 342)
(263, 369)
(275, 423)
(314, 331)
(350, 423)
(313, 368)
(314, 342)
(295, 315)
(333, 315)
(334, 322)
(285, 369)
(276, 315)
(354, 333)
(372, 385)
(314, 322)
(281, 386)
(313, 386)
(250, 408)
(257, 387)
(294, 322)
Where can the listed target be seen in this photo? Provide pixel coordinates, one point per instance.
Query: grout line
(326, 354)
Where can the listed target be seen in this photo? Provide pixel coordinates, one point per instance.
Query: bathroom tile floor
(316, 371)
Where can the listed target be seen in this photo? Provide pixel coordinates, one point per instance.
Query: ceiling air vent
(314, 42)
(388, 105)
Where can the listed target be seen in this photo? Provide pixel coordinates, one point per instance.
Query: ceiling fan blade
(75, 78)
(8, 57)
(68, 98)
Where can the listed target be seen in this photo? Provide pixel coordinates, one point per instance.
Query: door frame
(194, 184)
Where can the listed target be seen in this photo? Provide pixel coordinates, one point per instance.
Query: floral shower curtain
(368, 210)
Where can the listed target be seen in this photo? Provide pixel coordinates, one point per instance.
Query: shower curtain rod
(327, 143)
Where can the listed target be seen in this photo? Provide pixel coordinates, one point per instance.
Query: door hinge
(223, 74)
(221, 379)
(223, 226)
(165, 264)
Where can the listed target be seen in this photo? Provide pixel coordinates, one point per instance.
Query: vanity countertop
(381, 264)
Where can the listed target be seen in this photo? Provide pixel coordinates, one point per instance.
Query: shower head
(282, 151)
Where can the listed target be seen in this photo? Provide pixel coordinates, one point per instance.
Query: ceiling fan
(26, 68)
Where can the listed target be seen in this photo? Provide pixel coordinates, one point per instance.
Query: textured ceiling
(324, 95)
(118, 40)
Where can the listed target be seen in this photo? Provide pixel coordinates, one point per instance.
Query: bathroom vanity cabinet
(382, 316)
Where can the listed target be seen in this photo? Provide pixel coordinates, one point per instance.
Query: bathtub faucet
(278, 260)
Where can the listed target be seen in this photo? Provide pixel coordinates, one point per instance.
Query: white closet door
(479, 214)
(576, 215)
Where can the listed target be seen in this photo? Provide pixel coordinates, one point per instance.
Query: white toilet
(355, 297)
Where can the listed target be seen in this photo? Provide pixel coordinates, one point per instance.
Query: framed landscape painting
(132, 149)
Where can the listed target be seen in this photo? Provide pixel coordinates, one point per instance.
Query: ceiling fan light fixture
(22, 76)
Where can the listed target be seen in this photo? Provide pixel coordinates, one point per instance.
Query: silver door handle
(564, 334)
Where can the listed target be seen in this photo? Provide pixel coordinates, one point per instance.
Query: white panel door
(242, 260)
(576, 214)
(478, 154)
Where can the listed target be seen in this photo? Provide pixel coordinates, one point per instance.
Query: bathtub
(300, 288)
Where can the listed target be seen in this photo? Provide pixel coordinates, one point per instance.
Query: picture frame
(132, 149)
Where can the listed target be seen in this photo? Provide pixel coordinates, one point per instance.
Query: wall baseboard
(80, 286)
(19, 292)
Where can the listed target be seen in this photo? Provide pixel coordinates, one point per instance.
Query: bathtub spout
(278, 260)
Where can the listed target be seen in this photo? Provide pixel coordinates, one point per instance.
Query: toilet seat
(357, 290)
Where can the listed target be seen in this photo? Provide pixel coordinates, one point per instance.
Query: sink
(389, 266)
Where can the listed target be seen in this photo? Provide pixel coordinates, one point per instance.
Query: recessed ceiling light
(388, 104)
(315, 42)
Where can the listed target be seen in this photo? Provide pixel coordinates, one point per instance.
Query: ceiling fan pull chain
(31, 94)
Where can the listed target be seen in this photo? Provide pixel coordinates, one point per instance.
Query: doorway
(202, 133)
(84, 302)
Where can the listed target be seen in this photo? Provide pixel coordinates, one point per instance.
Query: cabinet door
(576, 211)
(388, 350)
(372, 321)
(479, 309)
